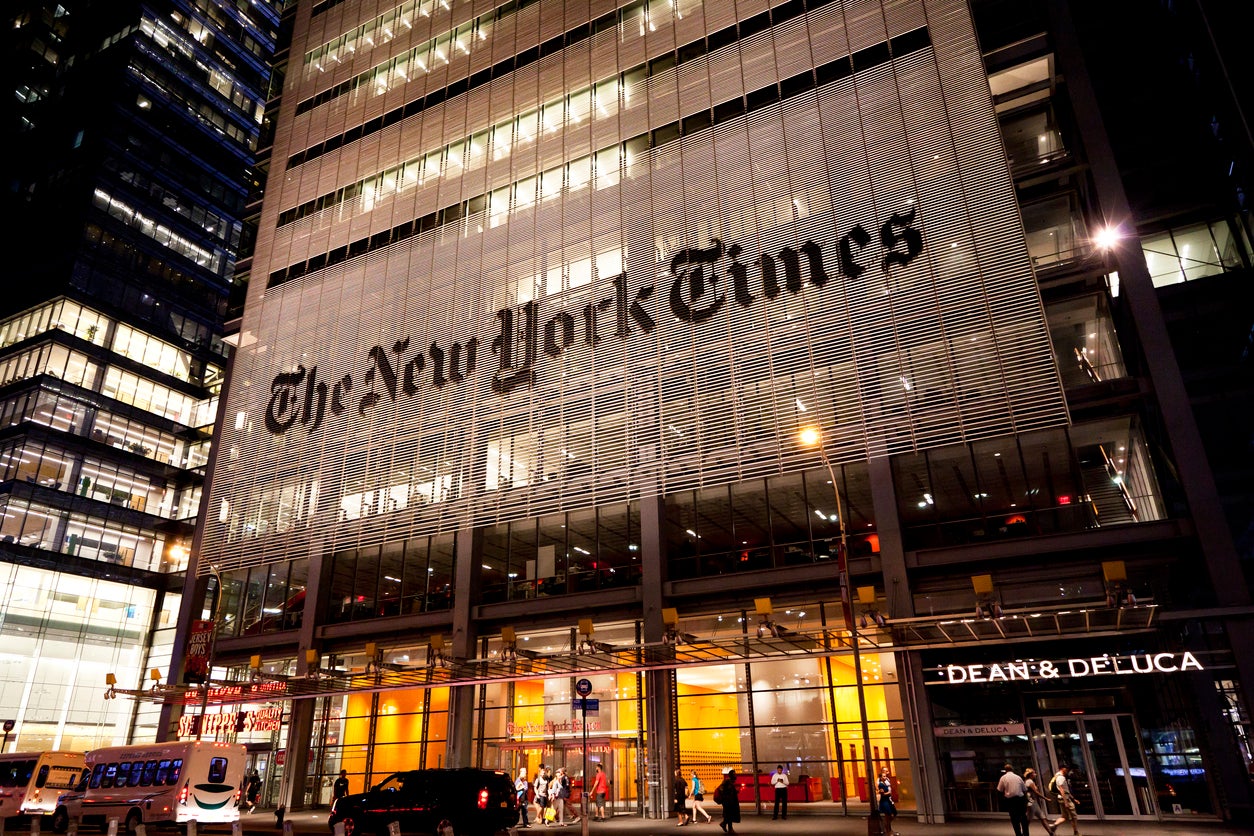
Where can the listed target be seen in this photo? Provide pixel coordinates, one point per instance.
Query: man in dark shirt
(340, 788)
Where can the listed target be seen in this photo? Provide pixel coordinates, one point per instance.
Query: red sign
(279, 757)
(199, 646)
(267, 719)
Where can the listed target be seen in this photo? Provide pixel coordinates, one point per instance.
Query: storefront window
(788, 520)
(1131, 750)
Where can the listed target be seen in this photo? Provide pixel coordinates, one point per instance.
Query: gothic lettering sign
(550, 727)
(702, 283)
(1034, 670)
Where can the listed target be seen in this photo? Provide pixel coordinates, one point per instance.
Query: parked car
(477, 802)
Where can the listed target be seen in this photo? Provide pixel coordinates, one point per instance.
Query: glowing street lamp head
(1107, 237)
(810, 436)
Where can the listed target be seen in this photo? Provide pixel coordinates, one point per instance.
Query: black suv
(477, 802)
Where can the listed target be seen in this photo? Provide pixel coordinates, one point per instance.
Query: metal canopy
(1029, 624)
(685, 650)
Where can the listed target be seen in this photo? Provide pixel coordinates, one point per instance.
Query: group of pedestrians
(552, 792)
(1024, 799)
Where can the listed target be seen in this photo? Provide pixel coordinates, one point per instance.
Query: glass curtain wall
(801, 712)
(60, 634)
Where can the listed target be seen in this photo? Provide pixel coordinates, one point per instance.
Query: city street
(261, 823)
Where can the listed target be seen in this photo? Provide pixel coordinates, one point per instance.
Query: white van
(168, 783)
(31, 781)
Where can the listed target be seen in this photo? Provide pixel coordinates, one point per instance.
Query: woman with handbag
(698, 800)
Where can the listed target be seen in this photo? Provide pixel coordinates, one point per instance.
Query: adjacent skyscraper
(129, 163)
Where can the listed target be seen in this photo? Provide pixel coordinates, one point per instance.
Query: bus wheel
(60, 820)
(133, 820)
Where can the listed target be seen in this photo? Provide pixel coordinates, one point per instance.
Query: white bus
(31, 781)
(167, 783)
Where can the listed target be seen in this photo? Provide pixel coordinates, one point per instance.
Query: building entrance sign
(704, 282)
(258, 720)
(993, 730)
(1032, 669)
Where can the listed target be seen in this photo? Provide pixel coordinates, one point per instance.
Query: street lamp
(213, 647)
(812, 437)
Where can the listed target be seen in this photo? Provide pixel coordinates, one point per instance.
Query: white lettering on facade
(1077, 667)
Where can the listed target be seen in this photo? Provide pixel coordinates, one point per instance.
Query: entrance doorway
(617, 755)
(271, 773)
(1108, 775)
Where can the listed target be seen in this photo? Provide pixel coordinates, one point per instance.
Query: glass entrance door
(1108, 775)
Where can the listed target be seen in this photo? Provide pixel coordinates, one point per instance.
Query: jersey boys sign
(702, 283)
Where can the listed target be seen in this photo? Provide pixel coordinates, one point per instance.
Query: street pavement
(262, 823)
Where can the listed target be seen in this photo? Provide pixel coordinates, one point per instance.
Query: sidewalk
(261, 823)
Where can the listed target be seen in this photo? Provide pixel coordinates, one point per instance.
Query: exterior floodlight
(1106, 238)
(810, 436)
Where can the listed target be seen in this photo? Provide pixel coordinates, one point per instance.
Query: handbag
(550, 814)
(689, 803)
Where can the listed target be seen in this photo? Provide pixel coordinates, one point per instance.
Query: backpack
(1053, 787)
(718, 794)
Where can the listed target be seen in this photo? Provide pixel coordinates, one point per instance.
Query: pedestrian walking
(521, 785)
(1015, 794)
(779, 781)
(1037, 802)
(254, 790)
(1060, 785)
(728, 797)
(600, 792)
(888, 807)
(679, 797)
(541, 785)
(561, 797)
(698, 800)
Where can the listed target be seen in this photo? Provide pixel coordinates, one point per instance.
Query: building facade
(543, 297)
(133, 128)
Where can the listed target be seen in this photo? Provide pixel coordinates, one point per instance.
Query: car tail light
(483, 798)
(183, 795)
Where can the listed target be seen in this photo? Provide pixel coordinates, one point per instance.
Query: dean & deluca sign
(1078, 667)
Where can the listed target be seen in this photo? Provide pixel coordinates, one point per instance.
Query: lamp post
(213, 646)
(812, 437)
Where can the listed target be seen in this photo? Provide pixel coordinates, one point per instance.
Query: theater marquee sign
(703, 282)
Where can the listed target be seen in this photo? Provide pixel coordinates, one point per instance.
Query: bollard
(34, 825)
(339, 828)
(394, 828)
(141, 829)
(113, 827)
(191, 827)
(236, 829)
(288, 828)
(72, 828)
